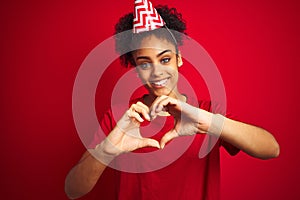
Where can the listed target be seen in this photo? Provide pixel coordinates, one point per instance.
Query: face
(157, 66)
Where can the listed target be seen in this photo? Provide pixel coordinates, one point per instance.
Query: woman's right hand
(126, 136)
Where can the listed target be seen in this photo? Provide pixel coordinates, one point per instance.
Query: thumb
(147, 142)
(168, 137)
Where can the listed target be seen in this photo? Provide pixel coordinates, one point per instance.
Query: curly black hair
(124, 37)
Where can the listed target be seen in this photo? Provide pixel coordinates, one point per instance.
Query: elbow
(72, 195)
(69, 193)
(272, 148)
(276, 150)
(71, 190)
(272, 152)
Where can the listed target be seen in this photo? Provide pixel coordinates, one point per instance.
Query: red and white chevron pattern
(146, 17)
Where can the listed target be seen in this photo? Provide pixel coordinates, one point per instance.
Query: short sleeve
(207, 105)
(232, 150)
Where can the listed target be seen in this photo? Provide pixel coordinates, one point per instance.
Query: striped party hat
(146, 17)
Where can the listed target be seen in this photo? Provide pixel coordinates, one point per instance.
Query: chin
(165, 92)
(158, 92)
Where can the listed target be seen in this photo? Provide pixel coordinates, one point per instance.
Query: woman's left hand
(189, 120)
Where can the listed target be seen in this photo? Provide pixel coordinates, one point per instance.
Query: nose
(157, 70)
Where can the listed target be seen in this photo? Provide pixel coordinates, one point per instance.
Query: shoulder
(200, 103)
(205, 104)
(137, 99)
(210, 106)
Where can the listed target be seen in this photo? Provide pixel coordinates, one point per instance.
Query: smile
(160, 83)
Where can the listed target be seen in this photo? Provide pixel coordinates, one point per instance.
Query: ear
(179, 60)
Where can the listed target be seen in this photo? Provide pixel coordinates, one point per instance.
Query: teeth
(160, 83)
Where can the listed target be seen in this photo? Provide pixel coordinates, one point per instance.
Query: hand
(126, 137)
(189, 120)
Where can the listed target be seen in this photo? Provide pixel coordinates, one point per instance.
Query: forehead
(153, 43)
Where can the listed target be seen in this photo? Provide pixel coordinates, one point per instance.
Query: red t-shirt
(186, 177)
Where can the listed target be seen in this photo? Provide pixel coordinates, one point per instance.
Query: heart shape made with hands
(185, 116)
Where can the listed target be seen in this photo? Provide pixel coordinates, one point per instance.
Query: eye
(144, 66)
(165, 60)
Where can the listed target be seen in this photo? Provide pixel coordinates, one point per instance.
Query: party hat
(146, 17)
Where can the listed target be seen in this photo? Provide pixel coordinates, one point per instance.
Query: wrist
(204, 119)
(102, 153)
(216, 124)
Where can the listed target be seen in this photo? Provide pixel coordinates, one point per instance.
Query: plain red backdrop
(255, 44)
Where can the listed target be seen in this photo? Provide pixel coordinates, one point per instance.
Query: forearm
(83, 177)
(253, 140)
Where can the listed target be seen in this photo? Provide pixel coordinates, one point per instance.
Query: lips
(159, 83)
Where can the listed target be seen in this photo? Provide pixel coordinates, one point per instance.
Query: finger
(155, 104)
(168, 137)
(143, 106)
(144, 111)
(164, 105)
(165, 102)
(140, 109)
(135, 115)
(147, 142)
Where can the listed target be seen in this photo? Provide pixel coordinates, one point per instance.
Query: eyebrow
(158, 55)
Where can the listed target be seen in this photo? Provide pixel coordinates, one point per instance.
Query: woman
(189, 177)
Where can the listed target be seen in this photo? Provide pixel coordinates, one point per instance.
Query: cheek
(143, 76)
(173, 71)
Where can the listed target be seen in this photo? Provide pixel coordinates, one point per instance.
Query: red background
(255, 44)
